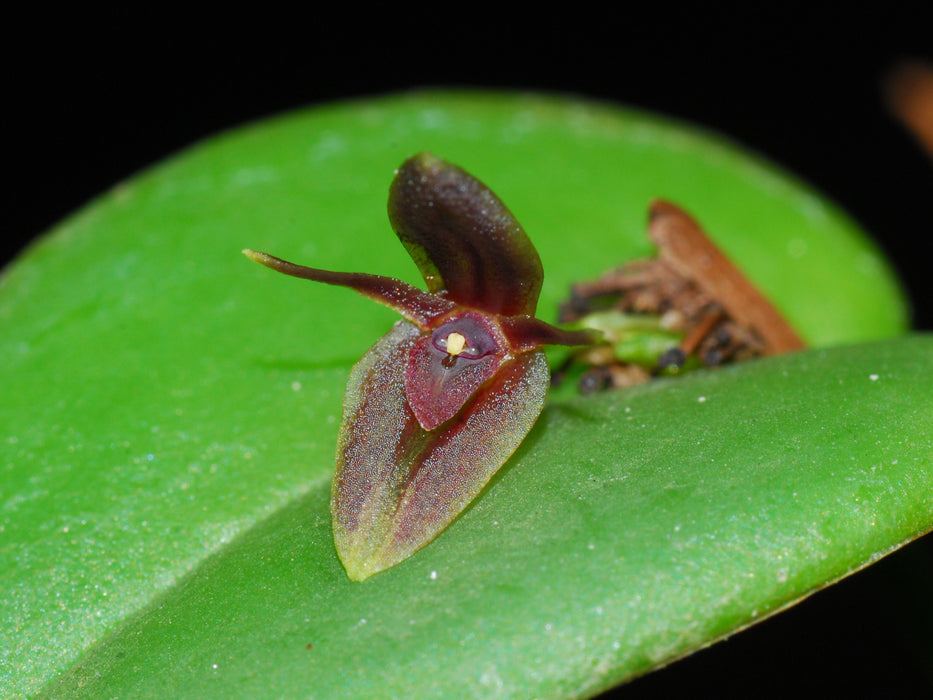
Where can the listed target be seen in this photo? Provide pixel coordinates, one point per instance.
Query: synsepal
(397, 486)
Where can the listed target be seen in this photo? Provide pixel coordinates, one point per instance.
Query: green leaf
(170, 415)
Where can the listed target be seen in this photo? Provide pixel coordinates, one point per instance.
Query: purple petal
(526, 332)
(417, 306)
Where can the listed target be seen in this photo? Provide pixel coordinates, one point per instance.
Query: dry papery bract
(689, 306)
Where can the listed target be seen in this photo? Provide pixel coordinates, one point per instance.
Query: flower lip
(469, 336)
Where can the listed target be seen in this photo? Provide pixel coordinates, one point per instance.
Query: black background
(90, 104)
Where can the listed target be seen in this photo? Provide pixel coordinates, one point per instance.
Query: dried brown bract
(689, 306)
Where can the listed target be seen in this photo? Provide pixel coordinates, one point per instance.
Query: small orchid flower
(439, 404)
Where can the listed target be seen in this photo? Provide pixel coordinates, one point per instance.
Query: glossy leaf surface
(623, 566)
(170, 414)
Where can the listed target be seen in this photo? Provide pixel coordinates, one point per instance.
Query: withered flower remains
(689, 306)
(439, 403)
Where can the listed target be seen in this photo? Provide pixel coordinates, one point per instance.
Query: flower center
(454, 343)
(469, 337)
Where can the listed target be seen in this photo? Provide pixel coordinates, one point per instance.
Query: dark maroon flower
(440, 403)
